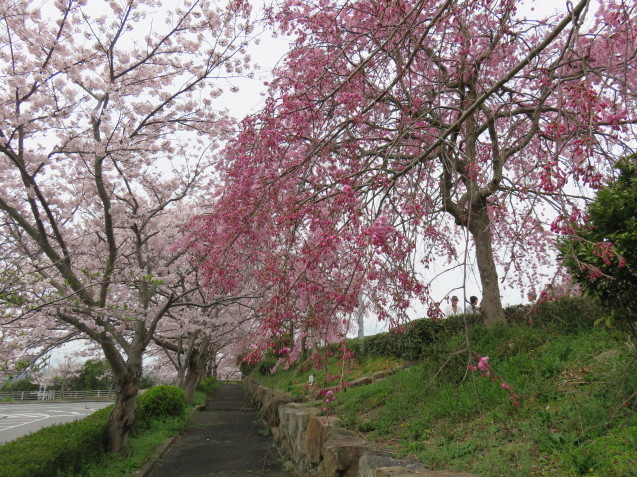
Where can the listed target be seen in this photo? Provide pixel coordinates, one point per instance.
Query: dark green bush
(410, 341)
(208, 384)
(601, 254)
(567, 314)
(158, 403)
(19, 385)
(62, 449)
(265, 366)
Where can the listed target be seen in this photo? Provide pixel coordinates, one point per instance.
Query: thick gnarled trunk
(479, 226)
(194, 374)
(122, 418)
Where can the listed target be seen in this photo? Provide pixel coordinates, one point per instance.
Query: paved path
(226, 439)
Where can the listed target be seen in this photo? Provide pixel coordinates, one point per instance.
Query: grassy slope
(576, 393)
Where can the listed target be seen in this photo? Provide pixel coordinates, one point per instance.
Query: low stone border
(317, 447)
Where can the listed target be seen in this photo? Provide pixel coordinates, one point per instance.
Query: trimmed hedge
(57, 450)
(158, 403)
(410, 342)
(566, 314)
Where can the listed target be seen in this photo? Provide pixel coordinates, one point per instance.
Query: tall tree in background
(391, 128)
(106, 131)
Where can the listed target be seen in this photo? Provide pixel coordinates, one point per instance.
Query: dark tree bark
(122, 418)
(479, 225)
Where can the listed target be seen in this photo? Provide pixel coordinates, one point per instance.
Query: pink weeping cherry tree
(304, 284)
(392, 130)
(107, 131)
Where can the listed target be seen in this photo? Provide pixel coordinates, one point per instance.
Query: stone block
(251, 385)
(378, 375)
(293, 419)
(276, 435)
(378, 464)
(364, 381)
(341, 453)
(317, 432)
(395, 471)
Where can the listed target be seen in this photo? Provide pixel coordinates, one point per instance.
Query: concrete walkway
(227, 438)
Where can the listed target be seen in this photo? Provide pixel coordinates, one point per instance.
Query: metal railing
(99, 394)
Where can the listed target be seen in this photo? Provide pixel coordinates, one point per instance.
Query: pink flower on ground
(483, 363)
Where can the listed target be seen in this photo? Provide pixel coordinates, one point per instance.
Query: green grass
(327, 371)
(575, 387)
(141, 446)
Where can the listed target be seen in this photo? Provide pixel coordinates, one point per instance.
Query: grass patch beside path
(141, 446)
(574, 390)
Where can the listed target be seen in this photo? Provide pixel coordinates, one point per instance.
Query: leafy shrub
(208, 384)
(601, 254)
(245, 368)
(159, 403)
(265, 366)
(67, 448)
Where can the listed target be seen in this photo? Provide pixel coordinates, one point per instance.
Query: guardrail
(100, 394)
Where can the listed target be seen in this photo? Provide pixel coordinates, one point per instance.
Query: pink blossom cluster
(487, 372)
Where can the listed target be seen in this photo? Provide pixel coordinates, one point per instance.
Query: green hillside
(558, 396)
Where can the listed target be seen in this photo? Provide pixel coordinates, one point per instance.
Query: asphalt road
(20, 419)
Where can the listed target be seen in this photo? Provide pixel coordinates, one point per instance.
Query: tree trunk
(123, 416)
(214, 369)
(480, 228)
(194, 373)
(181, 377)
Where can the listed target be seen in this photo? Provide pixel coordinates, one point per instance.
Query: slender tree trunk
(122, 418)
(480, 228)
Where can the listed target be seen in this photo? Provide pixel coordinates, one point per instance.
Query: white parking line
(21, 419)
(29, 419)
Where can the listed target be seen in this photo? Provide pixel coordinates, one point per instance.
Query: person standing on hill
(473, 305)
(453, 309)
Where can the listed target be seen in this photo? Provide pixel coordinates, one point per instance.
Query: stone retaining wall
(317, 447)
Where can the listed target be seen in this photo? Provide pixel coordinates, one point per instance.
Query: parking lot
(19, 419)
